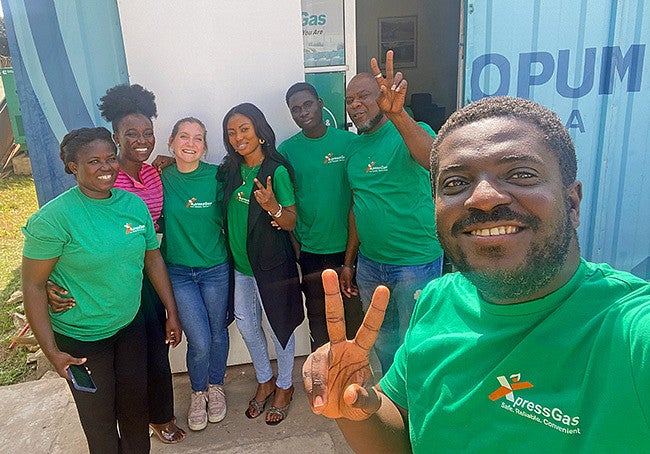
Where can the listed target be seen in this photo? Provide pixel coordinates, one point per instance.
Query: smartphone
(81, 378)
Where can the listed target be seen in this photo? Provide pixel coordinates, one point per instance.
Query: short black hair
(77, 139)
(123, 100)
(301, 86)
(555, 133)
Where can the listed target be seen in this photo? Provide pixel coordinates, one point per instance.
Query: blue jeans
(202, 299)
(248, 315)
(405, 283)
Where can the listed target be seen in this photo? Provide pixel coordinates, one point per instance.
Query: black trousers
(159, 375)
(119, 369)
(311, 266)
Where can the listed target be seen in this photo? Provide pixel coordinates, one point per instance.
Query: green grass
(17, 203)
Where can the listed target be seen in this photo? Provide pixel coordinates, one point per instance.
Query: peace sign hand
(265, 196)
(337, 376)
(392, 87)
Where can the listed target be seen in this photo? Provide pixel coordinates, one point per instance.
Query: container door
(329, 47)
(584, 60)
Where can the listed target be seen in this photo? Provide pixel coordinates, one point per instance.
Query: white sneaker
(216, 403)
(197, 415)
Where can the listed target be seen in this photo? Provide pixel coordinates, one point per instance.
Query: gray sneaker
(197, 416)
(216, 403)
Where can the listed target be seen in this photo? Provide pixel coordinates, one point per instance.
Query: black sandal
(279, 411)
(256, 406)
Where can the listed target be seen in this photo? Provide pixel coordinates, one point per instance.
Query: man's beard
(544, 259)
(369, 124)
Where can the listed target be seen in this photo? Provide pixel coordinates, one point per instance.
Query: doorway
(425, 38)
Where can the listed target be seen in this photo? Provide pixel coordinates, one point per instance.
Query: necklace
(249, 173)
(253, 168)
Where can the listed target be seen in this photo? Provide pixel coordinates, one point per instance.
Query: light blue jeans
(405, 284)
(202, 299)
(248, 315)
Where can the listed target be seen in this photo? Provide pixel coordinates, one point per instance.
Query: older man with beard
(392, 224)
(528, 347)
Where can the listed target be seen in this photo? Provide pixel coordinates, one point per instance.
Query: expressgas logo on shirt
(506, 389)
(241, 198)
(372, 167)
(192, 203)
(331, 159)
(130, 229)
(554, 417)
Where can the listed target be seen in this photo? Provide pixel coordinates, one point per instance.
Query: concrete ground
(40, 417)
(302, 431)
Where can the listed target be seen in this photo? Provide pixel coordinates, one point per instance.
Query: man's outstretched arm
(337, 378)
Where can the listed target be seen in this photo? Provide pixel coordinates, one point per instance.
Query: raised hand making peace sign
(283, 217)
(337, 376)
(392, 87)
(265, 196)
(392, 94)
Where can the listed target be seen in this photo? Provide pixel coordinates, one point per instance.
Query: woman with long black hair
(259, 203)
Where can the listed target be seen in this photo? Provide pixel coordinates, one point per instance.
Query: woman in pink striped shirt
(130, 109)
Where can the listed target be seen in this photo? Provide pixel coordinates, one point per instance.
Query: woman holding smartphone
(130, 109)
(76, 238)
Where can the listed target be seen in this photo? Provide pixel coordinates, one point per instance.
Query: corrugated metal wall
(585, 59)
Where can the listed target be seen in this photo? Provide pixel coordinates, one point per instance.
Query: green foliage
(17, 203)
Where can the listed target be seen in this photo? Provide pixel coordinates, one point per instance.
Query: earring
(262, 141)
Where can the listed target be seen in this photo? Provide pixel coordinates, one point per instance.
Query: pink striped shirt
(149, 189)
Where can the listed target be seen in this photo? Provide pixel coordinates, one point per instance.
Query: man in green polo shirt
(392, 222)
(529, 348)
(318, 154)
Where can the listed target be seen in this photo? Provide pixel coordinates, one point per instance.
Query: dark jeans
(311, 266)
(159, 374)
(119, 369)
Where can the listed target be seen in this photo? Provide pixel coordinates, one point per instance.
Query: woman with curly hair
(259, 203)
(130, 109)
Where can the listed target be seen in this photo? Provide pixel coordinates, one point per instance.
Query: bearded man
(528, 347)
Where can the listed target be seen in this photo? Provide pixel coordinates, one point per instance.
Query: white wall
(201, 58)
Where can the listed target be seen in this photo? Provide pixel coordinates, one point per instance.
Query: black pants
(312, 265)
(159, 374)
(119, 369)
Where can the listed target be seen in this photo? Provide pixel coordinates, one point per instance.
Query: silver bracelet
(278, 214)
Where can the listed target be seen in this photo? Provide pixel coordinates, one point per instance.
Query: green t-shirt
(100, 245)
(322, 191)
(238, 210)
(569, 372)
(193, 224)
(393, 204)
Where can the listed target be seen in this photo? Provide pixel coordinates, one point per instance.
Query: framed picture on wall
(399, 34)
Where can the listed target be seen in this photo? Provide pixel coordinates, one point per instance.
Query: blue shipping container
(585, 60)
